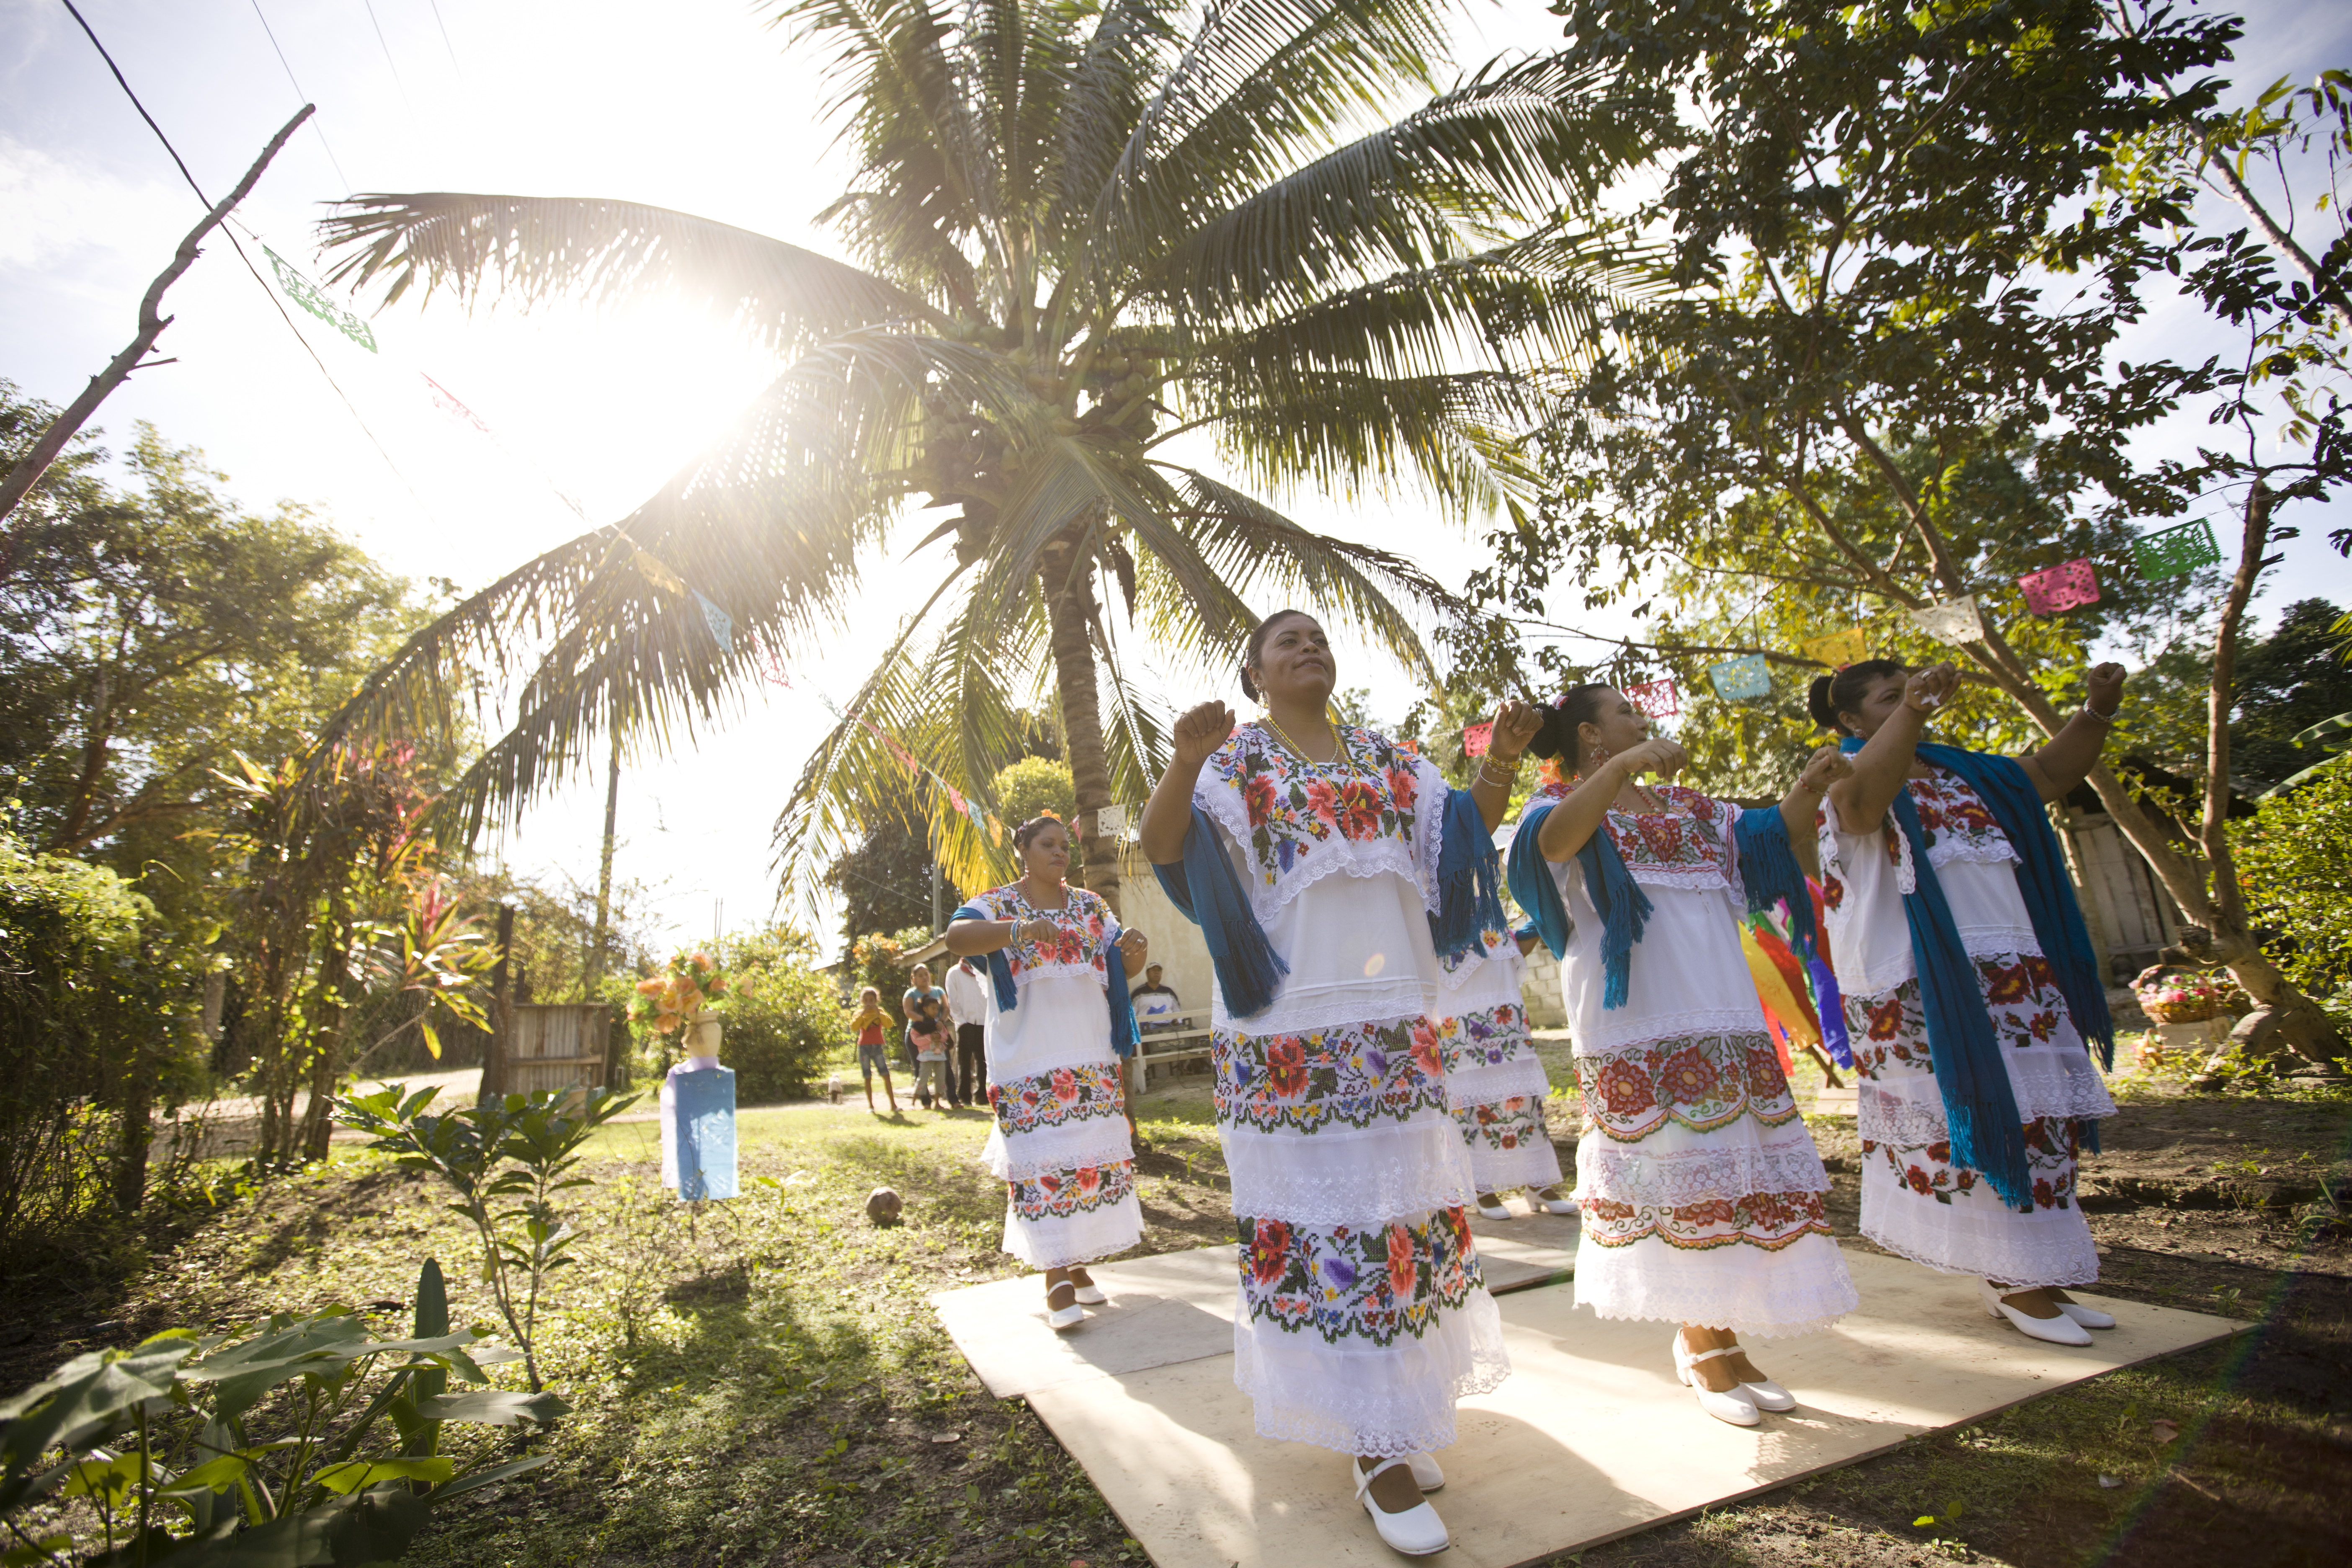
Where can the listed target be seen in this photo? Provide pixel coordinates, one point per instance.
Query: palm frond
(608, 253)
(1509, 142)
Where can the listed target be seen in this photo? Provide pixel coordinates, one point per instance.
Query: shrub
(2295, 862)
(1034, 785)
(782, 1018)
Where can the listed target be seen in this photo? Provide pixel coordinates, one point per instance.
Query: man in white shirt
(968, 1009)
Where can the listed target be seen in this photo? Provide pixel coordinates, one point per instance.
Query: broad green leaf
(350, 1475)
(494, 1407)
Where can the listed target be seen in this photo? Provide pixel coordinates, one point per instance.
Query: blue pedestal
(702, 1112)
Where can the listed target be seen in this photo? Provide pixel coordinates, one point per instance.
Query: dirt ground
(771, 1386)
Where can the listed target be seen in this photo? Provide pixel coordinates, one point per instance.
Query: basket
(2193, 1008)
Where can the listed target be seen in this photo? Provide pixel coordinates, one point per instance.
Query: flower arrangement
(690, 984)
(2182, 998)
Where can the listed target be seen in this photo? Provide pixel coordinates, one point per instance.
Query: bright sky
(691, 104)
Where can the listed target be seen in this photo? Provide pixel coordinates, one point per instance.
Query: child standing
(873, 1026)
(926, 1036)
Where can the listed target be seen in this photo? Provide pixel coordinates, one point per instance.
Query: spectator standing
(926, 1036)
(968, 1010)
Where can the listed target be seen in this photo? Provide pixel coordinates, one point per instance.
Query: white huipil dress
(1493, 1079)
(1060, 1143)
(1915, 1200)
(1699, 1187)
(1361, 1318)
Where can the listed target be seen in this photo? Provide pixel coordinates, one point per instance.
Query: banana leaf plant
(1096, 242)
(307, 1440)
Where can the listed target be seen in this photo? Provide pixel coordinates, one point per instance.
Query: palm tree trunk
(1070, 610)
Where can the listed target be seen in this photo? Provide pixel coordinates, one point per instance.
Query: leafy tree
(885, 879)
(782, 1018)
(2286, 683)
(152, 635)
(2296, 854)
(1085, 228)
(1908, 243)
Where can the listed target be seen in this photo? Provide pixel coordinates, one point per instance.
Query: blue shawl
(2042, 882)
(1469, 891)
(1204, 886)
(1122, 1004)
(1623, 908)
(1979, 1107)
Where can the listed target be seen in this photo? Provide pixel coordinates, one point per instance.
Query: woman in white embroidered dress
(1361, 1318)
(1700, 1188)
(1493, 1079)
(1061, 1143)
(1918, 1199)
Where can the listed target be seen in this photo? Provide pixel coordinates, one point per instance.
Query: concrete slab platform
(1589, 1439)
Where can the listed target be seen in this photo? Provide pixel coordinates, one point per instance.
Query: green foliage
(506, 1160)
(181, 1451)
(782, 1018)
(2295, 862)
(2287, 682)
(1034, 786)
(94, 1012)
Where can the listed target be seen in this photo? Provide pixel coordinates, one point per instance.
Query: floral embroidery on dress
(1927, 1169)
(1085, 928)
(1349, 1075)
(1057, 1098)
(2020, 990)
(1358, 1284)
(1767, 1220)
(1058, 1194)
(1483, 1036)
(1684, 841)
(1506, 1125)
(1696, 1081)
(1296, 808)
(1954, 818)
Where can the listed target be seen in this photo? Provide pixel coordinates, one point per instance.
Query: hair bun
(1819, 704)
(1550, 739)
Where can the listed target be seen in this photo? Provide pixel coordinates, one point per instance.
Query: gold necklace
(1340, 746)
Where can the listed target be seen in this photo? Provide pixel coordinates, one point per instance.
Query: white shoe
(1091, 1295)
(1734, 1407)
(1552, 1205)
(1060, 1320)
(1766, 1394)
(1416, 1532)
(2061, 1330)
(1494, 1210)
(2089, 1317)
(1425, 1473)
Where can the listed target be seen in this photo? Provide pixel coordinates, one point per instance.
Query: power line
(386, 47)
(445, 39)
(241, 256)
(305, 97)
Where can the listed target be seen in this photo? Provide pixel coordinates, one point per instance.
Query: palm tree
(1086, 227)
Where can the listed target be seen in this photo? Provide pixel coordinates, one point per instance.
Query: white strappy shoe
(1089, 1293)
(1425, 1473)
(2061, 1329)
(1490, 1205)
(1735, 1407)
(1550, 1206)
(1417, 1531)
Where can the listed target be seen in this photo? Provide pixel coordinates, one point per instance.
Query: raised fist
(1930, 688)
(2104, 689)
(1516, 724)
(1824, 768)
(1039, 931)
(1659, 755)
(1201, 730)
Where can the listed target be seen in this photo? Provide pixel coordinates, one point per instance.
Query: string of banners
(984, 823)
(315, 299)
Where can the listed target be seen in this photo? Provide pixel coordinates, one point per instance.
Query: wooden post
(494, 1055)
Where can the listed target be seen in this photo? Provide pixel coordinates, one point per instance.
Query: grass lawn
(764, 1381)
